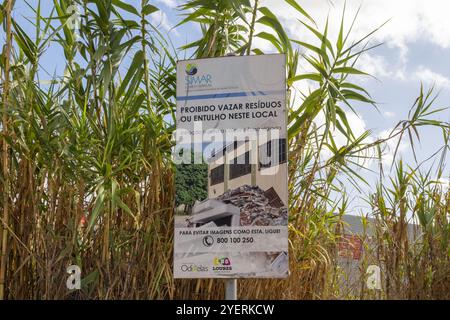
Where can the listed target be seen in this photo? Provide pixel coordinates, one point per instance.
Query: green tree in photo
(191, 183)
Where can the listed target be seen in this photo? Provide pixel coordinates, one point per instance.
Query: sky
(415, 49)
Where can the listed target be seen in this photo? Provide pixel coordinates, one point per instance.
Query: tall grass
(87, 177)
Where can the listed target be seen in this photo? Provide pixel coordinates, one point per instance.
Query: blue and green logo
(196, 79)
(191, 69)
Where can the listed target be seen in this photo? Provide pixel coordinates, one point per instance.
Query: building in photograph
(231, 167)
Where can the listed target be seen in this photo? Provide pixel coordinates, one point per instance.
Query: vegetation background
(191, 183)
(87, 176)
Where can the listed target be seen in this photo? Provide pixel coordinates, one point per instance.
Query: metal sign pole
(231, 289)
(231, 284)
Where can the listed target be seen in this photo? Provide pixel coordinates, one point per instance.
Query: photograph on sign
(231, 168)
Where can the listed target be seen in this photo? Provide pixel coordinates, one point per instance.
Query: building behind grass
(357, 249)
(233, 166)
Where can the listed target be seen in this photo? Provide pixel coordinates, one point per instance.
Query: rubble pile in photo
(255, 207)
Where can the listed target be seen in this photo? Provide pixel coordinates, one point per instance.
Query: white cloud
(409, 21)
(389, 114)
(389, 147)
(169, 3)
(374, 65)
(161, 20)
(262, 44)
(445, 184)
(430, 77)
(358, 126)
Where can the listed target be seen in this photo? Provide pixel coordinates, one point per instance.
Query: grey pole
(231, 289)
(230, 284)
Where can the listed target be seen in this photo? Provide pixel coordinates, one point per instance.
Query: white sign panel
(231, 176)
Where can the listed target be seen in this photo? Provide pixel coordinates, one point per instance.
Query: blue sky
(416, 49)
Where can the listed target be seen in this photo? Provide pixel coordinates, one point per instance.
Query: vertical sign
(231, 168)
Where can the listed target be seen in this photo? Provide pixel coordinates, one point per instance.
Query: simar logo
(191, 69)
(195, 80)
(222, 264)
